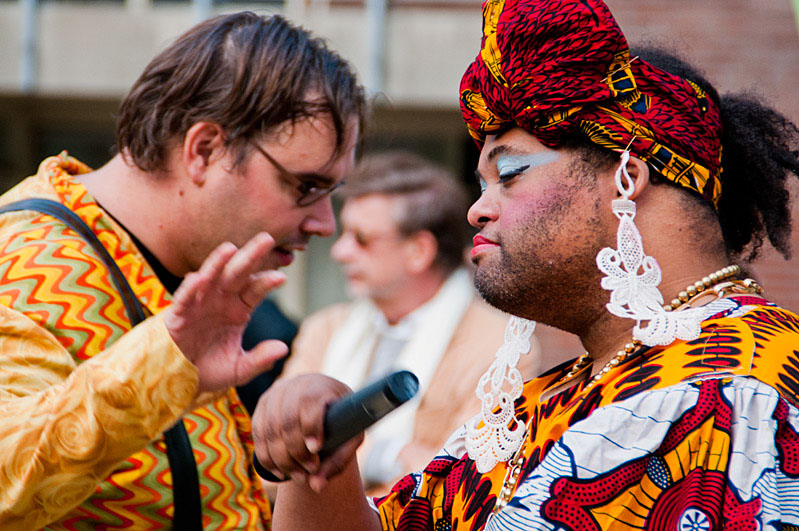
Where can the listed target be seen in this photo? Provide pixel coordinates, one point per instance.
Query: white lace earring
(498, 438)
(635, 295)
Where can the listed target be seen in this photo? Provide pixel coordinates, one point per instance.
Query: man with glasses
(402, 244)
(229, 143)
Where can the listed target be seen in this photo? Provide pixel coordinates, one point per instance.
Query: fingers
(288, 427)
(196, 285)
(233, 271)
(242, 272)
(265, 432)
(260, 358)
(301, 425)
(280, 442)
(259, 285)
(245, 262)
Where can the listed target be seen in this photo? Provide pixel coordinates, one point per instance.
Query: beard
(508, 284)
(545, 268)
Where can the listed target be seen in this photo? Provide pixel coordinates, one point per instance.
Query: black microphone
(349, 416)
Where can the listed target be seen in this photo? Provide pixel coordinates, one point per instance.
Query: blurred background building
(64, 66)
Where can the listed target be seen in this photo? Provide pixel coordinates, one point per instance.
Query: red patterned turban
(556, 67)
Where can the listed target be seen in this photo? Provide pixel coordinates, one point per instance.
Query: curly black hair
(760, 147)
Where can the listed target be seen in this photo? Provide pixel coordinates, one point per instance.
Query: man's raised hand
(213, 306)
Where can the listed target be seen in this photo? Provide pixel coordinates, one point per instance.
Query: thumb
(335, 463)
(260, 358)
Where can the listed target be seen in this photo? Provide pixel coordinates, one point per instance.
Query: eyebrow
(502, 149)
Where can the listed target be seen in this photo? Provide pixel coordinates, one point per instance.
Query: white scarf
(350, 350)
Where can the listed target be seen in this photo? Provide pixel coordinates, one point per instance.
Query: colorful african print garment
(696, 436)
(84, 399)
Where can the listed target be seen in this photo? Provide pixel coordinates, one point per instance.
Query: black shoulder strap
(185, 480)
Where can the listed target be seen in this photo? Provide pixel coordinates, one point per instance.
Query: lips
(284, 256)
(350, 274)
(481, 245)
(285, 253)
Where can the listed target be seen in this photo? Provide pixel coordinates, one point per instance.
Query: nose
(320, 220)
(342, 248)
(483, 210)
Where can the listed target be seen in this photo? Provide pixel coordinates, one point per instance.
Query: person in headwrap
(621, 195)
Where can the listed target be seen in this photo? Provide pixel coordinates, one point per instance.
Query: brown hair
(246, 72)
(432, 199)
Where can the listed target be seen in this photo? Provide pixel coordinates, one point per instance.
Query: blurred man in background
(404, 232)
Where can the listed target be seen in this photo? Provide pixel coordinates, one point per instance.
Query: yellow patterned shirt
(84, 398)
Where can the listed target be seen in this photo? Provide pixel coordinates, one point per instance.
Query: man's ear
(422, 251)
(639, 172)
(204, 142)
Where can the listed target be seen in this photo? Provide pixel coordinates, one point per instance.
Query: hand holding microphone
(352, 414)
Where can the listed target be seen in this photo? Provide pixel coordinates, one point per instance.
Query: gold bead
(691, 290)
(706, 281)
(699, 286)
(713, 278)
(683, 296)
(614, 361)
(667, 307)
(675, 303)
(629, 347)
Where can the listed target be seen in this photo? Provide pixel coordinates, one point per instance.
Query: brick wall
(739, 44)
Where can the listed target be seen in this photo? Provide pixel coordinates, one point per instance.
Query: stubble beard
(515, 283)
(545, 271)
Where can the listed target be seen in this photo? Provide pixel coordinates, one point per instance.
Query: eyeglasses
(365, 240)
(309, 191)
